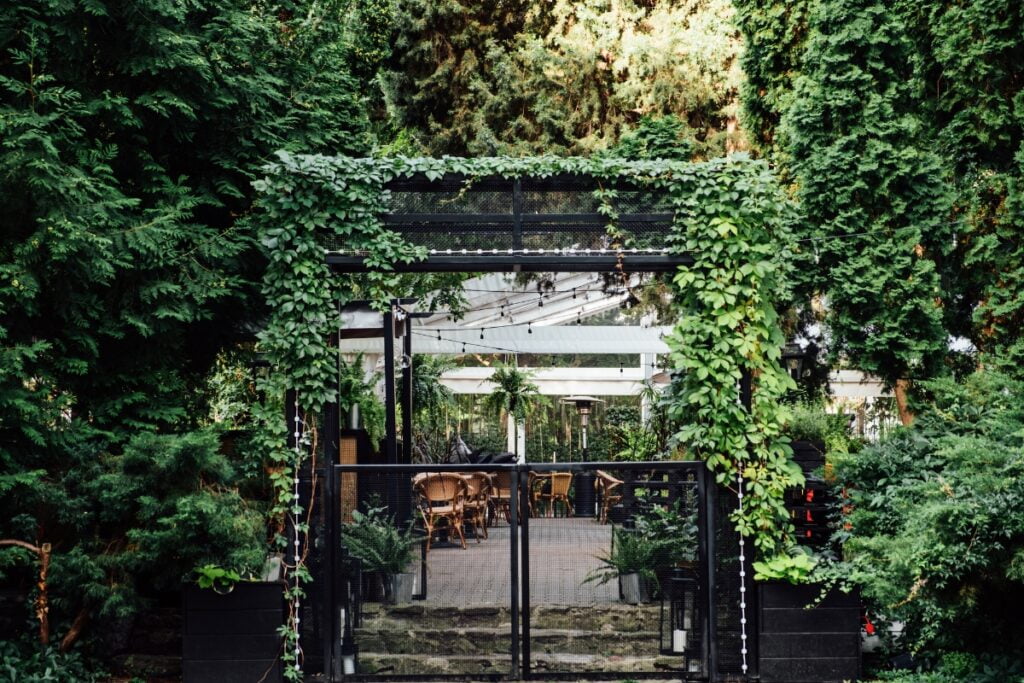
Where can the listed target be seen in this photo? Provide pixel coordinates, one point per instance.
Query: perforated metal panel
(544, 218)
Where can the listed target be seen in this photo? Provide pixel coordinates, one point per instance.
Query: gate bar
(513, 539)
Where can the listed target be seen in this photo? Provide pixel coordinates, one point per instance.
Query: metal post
(514, 569)
(330, 438)
(390, 419)
(333, 627)
(407, 396)
(405, 499)
(517, 214)
(706, 522)
(524, 547)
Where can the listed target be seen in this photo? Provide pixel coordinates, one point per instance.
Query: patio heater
(680, 618)
(586, 498)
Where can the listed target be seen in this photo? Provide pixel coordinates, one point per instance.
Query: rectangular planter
(233, 638)
(799, 645)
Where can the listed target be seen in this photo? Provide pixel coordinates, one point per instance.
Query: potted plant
(514, 397)
(384, 549)
(672, 531)
(632, 559)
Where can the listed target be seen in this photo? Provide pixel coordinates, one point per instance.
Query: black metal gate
(524, 600)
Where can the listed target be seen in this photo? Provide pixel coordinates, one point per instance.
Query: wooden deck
(562, 552)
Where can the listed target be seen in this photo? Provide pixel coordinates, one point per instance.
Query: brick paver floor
(562, 552)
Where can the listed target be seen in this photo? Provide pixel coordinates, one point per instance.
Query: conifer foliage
(871, 191)
(130, 133)
(482, 78)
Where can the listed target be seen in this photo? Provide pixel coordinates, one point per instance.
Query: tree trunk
(41, 551)
(901, 392)
(75, 631)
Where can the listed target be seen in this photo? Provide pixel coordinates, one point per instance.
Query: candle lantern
(680, 617)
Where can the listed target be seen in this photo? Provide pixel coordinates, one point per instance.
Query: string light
(529, 327)
(743, 579)
(297, 434)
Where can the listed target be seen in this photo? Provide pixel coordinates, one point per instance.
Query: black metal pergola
(531, 224)
(528, 224)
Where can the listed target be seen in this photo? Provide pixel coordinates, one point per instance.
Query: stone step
(616, 617)
(488, 641)
(418, 664)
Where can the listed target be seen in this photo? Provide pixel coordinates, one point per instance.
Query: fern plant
(376, 540)
(630, 553)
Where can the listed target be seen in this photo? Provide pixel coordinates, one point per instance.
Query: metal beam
(539, 263)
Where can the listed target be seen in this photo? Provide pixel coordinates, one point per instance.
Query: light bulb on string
(463, 347)
(481, 333)
(529, 327)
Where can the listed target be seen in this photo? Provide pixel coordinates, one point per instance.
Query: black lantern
(793, 359)
(680, 618)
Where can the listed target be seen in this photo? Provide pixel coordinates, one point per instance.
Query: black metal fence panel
(509, 572)
(615, 586)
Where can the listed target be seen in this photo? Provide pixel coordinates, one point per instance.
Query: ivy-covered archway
(727, 218)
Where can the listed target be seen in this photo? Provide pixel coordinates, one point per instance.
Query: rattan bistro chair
(561, 482)
(477, 502)
(442, 498)
(608, 488)
(501, 495)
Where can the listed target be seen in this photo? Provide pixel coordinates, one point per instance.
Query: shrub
(936, 525)
(31, 664)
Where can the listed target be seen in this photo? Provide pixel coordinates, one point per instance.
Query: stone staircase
(422, 639)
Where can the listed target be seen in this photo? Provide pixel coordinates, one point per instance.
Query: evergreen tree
(563, 77)
(871, 190)
(130, 134)
(965, 62)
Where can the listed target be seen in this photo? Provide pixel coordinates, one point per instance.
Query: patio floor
(562, 552)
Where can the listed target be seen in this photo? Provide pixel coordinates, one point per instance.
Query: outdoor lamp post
(586, 498)
(680, 624)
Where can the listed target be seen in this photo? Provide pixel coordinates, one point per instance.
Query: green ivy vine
(729, 216)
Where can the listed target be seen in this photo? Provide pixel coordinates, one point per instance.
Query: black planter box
(233, 638)
(810, 455)
(798, 645)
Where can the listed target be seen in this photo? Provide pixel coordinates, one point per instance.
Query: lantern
(680, 618)
(793, 356)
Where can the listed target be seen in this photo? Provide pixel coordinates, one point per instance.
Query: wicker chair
(478, 489)
(608, 491)
(561, 482)
(443, 496)
(501, 495)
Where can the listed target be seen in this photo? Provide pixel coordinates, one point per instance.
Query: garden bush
(23, 663)
(934, 530)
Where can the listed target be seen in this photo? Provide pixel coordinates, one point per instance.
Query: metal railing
(514, 605)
